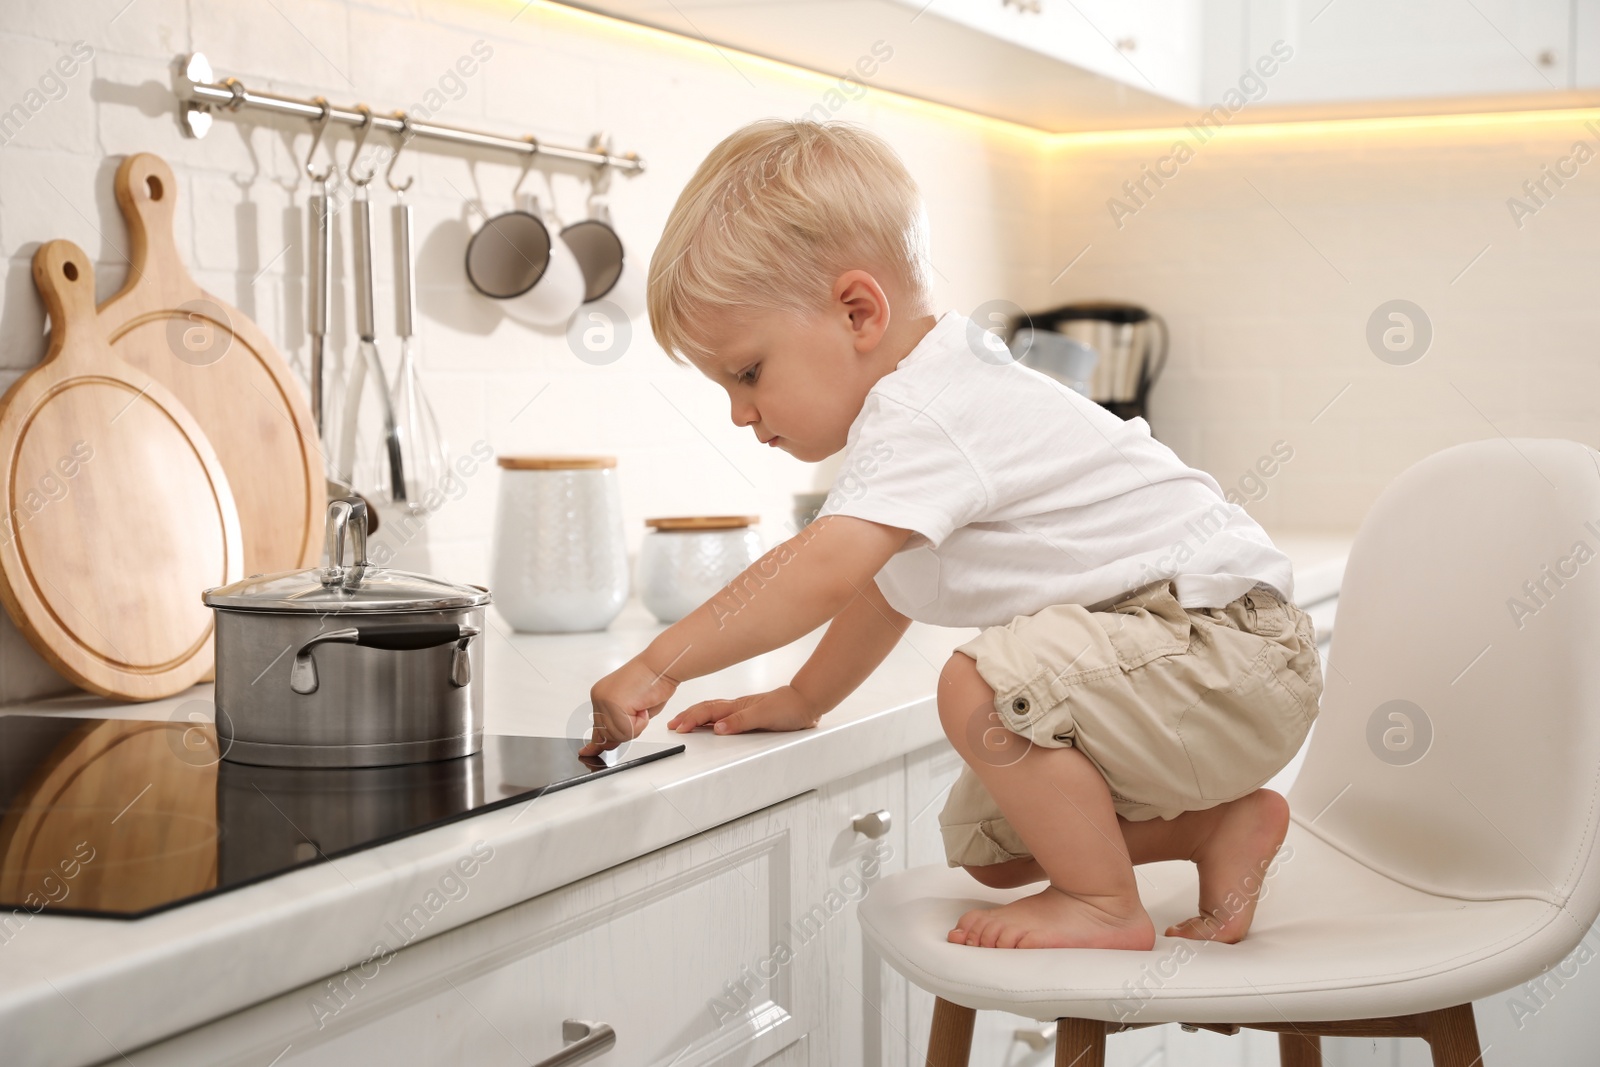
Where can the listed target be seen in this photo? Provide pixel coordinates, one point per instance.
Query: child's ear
(863, 300)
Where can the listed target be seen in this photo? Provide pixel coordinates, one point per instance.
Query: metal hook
(404, 136)
(527, 166)
(601, 143)
(600, 179)
(361, 139)
(319, 124)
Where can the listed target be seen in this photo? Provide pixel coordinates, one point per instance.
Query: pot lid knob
(346, 515)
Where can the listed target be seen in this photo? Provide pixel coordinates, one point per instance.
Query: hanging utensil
(424, 451)
(321, 282)
(594, 240)
(368, 361)
(336, 483)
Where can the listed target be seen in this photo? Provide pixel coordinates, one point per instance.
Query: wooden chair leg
(1452, 1034)
(1080, 1043)
(1299, 1050)
(950, 1038)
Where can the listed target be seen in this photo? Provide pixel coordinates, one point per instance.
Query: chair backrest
(1458, 745)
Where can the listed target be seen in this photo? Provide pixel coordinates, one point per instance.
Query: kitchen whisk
(425, 453)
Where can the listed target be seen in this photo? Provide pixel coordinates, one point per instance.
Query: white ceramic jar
(683, 562)
(560, 559)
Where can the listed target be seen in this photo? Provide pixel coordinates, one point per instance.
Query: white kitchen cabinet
(796, 1055)
(861, 837)
(1378, 51)
(1150, 45)
(1059, 67)
(1070, 65)
(679, 951)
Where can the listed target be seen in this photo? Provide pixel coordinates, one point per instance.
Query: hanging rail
(199, 93)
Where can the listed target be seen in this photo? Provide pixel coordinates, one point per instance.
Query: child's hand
(781, 709)
(624, 702)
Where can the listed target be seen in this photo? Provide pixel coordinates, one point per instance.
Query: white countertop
(78, 991)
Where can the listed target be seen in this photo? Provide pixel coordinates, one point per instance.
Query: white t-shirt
(1021, 493)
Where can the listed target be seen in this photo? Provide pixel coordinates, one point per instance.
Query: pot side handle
(406, 637)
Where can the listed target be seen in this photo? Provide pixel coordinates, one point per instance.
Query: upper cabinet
(1050, 64)
(1065, 65)
(1365, 57)
(1153, 46)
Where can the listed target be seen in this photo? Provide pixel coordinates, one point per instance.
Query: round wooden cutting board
(118, 512)
(222, 368)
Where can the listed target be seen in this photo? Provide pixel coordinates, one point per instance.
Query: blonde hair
(773, 216)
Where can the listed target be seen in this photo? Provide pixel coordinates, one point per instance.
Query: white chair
(1441, 849)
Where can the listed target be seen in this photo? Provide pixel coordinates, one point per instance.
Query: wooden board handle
(64, 276)
(147, 192)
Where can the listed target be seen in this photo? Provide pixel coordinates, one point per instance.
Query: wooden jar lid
(556, 463)
(704, 522)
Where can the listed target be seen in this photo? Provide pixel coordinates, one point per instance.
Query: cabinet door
(865, 1001)
(686, 952)
(796, 1055)
(1152, 45)
(1381, 50)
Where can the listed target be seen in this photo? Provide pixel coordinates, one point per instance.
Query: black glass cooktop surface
(121, 818)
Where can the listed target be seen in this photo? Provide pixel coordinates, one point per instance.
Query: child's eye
(748, 376)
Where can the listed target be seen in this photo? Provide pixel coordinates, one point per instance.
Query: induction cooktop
(122, 818)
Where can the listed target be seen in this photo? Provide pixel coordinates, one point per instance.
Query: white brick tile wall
(1271, 332)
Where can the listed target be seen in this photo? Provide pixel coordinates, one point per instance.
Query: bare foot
(1231, 862)
(1053, 918)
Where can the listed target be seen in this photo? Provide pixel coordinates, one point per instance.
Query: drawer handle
(586, 1041)
(872, 824)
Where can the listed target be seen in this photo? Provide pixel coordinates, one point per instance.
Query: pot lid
(359, 587)
(362, 589)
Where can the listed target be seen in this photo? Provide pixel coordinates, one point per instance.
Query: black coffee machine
(1132, 342)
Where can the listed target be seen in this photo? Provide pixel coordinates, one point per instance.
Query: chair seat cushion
(1331, 939)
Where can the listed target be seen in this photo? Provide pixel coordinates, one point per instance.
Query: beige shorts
(1180, 709)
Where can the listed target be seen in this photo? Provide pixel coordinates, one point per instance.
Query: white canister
(560, 558)
(683, 562)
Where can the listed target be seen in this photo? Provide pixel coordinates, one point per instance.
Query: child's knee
(962, 695)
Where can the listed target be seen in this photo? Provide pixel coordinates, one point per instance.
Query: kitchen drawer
(679, 951)
(865, 1000)
(930, 772)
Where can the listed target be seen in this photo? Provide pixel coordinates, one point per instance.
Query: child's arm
(786, 594)
(857, 641)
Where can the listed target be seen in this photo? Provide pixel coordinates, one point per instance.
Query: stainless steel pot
(348, 666)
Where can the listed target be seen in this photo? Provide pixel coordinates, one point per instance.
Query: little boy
(1141, 669)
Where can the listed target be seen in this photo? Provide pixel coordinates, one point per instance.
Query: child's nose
(744, 414)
